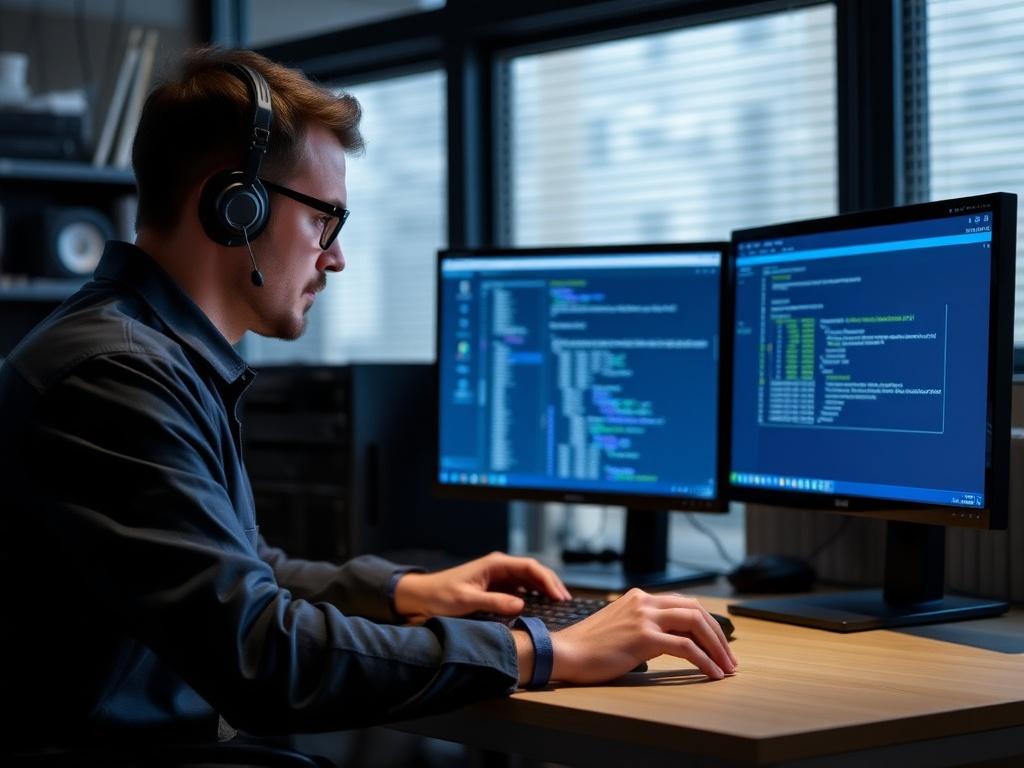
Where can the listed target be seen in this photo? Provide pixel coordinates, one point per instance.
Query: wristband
(393, 586)
(543, 650)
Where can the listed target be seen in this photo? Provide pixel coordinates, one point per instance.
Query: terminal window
(861, 361)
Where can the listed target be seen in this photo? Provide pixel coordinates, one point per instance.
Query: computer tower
(341, 460)
(296, 435)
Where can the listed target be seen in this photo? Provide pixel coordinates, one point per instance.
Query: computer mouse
(725, 623)
(772, 573)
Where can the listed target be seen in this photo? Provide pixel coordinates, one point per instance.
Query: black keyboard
(556, 614)
(559, 614)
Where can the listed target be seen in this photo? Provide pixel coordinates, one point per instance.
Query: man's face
(288, 252)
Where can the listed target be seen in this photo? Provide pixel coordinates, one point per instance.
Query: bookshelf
(34, 192)
(30, 190)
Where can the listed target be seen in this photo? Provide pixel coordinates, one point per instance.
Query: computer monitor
(586, 375)
(872, 363)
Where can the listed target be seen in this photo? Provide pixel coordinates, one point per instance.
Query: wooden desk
(800, 697)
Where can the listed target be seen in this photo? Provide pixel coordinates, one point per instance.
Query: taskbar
(867, 490)
(535, 482)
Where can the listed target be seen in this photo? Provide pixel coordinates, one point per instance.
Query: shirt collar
(132, 267)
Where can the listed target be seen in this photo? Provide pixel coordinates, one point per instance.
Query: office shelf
(37, 289)
(56, 170)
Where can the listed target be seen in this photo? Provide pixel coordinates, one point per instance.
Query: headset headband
(259, 93)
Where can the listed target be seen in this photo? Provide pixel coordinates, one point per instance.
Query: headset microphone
(256, 276)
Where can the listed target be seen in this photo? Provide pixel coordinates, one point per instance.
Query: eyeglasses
(337, 216)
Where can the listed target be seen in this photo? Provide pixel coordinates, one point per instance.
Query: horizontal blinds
(678, 135)
(381, 308)
(976, 105)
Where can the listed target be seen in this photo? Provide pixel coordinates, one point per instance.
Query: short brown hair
(199, 121)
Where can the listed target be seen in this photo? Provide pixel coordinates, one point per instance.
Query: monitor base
(865, 609)
(612, 577)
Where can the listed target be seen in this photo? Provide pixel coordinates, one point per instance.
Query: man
(145, 602)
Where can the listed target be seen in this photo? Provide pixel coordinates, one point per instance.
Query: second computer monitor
(872, 361)
(585, 374)
(872, 366)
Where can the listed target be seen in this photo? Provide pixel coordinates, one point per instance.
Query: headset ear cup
(224, 195)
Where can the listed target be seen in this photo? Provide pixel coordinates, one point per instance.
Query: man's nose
(332, 260)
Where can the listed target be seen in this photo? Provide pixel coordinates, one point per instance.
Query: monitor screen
(582, 374)
(863, 356)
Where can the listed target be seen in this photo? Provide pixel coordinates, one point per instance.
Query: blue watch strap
(393, 585)
(543, 651)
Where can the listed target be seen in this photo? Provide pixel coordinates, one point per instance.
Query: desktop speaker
(59, 242)
(73, 241)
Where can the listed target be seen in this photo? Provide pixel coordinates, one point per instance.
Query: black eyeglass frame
(327, 237)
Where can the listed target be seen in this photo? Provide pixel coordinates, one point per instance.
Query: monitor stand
(644, 560)
(915, 557)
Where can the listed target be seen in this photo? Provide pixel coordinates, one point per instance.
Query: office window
(680, 135)
(271, 21)
(975, 52)
(381, 308)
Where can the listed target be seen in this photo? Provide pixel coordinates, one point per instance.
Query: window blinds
(678, 135)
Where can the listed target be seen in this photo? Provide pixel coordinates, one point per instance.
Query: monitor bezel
(718, 503)
(1000, 370)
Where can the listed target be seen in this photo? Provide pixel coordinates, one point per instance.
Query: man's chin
(289, 330)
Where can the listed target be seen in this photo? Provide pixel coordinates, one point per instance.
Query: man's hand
(485, 584)
(638, 627)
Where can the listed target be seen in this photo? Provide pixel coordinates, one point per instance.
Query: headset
(234, 207)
